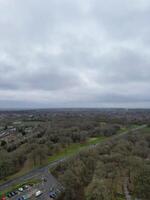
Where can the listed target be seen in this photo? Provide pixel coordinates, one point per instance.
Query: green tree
(142, 183)
(97, 190)
(3, 143)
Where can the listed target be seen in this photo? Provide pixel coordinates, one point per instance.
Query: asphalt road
(44, 171)
(36, 174)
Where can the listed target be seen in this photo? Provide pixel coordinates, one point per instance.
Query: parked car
(26, 186)
(12, 194)
(52, 189)
(45, 180)
(20, 189)
(38, 193)
(15, 192)
(57, 191)
(25, 197)
(9, 195)
(20, 198)
(3, 198)
(52, 195)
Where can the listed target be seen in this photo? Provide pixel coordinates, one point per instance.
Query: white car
(38, 193)
(20, 189)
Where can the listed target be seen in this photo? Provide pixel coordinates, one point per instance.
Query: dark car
(9, 195)
(20, 198)
(24, 188)
(15, 192)
(12, 194)
(53, 195)
(45, 180)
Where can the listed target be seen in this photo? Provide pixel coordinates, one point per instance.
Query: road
(36, 173)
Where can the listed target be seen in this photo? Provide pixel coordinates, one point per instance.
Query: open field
(76, 148)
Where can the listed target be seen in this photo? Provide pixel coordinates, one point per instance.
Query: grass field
(75, 148)
(71, 150)
(146, 130)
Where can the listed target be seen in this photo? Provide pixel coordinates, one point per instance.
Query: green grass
(75, 148)
(71, 150)
(129, 128)
(146, 130)
(20, 173)
(123, 129)
(134, 126)
(120, 197)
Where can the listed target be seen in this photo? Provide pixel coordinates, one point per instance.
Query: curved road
(35, 173)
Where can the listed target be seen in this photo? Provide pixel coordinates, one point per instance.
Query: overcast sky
(74, 53)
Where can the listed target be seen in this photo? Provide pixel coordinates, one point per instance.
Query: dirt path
(126, 191)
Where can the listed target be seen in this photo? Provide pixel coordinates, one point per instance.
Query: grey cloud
(125, 66)
(52, 81)
(43, 78)
(123, 20)
(72, 53)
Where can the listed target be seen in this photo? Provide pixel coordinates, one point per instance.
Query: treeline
(11, 163)
(102, 173)
(49, 139)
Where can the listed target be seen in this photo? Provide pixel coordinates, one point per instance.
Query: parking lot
(45, 189)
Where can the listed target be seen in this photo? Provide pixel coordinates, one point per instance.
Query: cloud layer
(83, 53)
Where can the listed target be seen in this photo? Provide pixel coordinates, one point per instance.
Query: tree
(73, 185)
(39, 154)
(142, 183)
(3, 143)
(98, 190)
